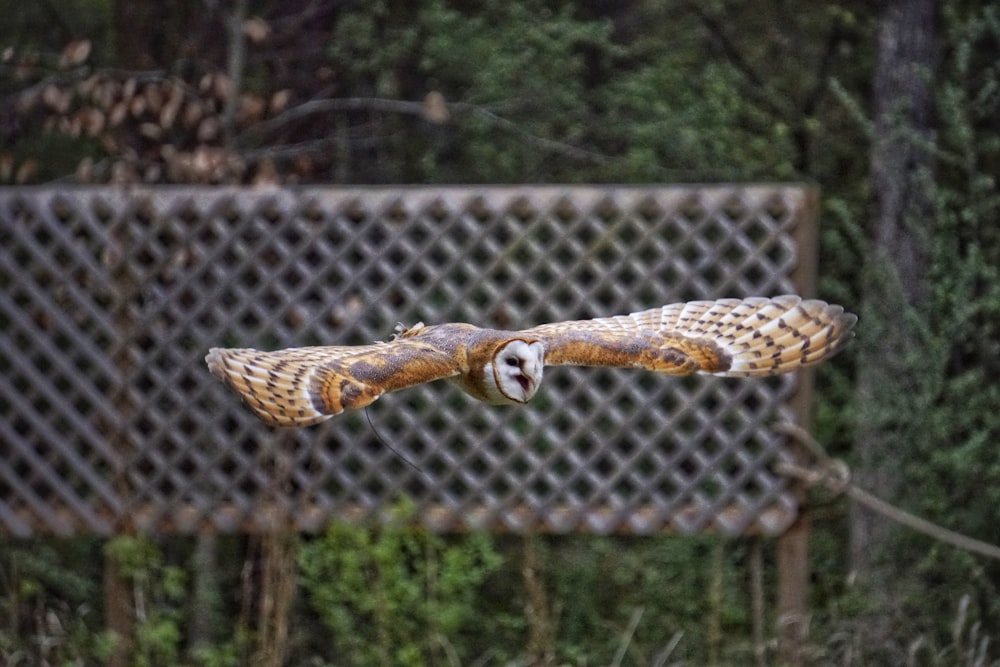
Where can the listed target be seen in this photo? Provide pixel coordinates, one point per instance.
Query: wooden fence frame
(106, 218)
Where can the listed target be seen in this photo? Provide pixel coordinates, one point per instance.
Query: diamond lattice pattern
(110, 298)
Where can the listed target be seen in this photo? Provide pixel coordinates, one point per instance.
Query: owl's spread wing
(734, 337)
(305, 385)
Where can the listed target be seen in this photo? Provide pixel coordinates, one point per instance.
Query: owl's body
(733, 337)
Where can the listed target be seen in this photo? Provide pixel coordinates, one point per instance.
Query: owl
(729, 337)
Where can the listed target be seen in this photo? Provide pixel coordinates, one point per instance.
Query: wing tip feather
(275, 397)
(774, 346)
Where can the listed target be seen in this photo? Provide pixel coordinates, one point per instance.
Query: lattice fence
(110, 298)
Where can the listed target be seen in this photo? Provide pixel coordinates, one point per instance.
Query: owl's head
(517, 371)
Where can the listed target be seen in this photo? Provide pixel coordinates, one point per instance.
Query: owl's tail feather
(287, 387)
(769, 336)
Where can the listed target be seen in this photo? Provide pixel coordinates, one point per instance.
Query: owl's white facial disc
(517, 371)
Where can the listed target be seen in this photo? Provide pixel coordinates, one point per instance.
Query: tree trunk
(900, 165)
(895, 277)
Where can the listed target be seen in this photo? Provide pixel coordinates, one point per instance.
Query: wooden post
(119, 616)
(541, 634)
(793, 547)
(793, 589)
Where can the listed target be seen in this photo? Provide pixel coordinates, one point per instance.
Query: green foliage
(540, 91)
(527, 62)
(962, 315)
(954, 460)
(690, 131)
(519, 71)
(216, 655)
(936, 401)
(49, 592)
(158, 592)
(396, 594)
(599, 583)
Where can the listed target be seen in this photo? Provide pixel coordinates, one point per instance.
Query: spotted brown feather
(733, 337)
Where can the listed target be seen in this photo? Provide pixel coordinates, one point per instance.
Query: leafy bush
(396, 594)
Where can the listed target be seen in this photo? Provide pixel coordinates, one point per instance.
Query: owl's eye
(512, 361)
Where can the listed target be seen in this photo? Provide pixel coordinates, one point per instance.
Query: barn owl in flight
(731, 337)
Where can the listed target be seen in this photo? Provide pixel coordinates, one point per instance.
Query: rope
(835, 475)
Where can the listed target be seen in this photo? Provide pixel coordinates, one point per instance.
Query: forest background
(892, 109)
